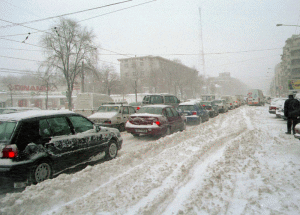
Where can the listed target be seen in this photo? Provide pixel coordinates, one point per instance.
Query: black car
(37, 145)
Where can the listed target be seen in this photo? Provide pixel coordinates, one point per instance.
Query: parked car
(113, 115)
(212, 109)
(222, 105)
(156, 120)
(164, 98)
(279, 108)
(194, 112)
(272, 106)
(36, 145)
(276, 103)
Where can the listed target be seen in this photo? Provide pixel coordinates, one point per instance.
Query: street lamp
(287, 25)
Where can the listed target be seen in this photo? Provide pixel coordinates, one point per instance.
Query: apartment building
(154, 74)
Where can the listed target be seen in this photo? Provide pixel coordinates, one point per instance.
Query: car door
(177, 119)
(170, 119)
(63, 145)
(90, 142)
(125, 114)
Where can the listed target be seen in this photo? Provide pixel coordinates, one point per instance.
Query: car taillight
(138, 108)
(107, 122)
(230, 103)
(10, 151)
(157, 123)
(194, 113)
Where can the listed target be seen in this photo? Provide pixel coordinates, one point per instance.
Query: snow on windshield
(108, 109)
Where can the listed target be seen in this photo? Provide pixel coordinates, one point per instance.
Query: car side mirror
(97, 128)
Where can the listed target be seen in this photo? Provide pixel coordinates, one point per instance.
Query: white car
(112, 115)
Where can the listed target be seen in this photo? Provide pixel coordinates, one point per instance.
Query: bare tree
(110, 79)
(67, 46)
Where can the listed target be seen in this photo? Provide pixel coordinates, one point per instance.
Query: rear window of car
(156, 100)
(108, 109)
(81, 124)
(186, 107)
(152, 110)
(6, 130)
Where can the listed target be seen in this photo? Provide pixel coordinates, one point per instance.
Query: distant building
(154, 74)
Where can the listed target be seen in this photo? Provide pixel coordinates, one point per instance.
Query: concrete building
(154, 74)
(289, 67)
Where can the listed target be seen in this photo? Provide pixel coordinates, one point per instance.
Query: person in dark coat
(290, 105)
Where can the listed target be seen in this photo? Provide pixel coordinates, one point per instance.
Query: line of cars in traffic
(37, 145)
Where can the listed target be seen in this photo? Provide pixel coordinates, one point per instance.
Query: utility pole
(201, 54)
(82, 77)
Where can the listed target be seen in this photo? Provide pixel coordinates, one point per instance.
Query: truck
(88, 103)
(255, 97)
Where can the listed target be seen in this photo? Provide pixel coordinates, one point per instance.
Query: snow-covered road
(240, 162)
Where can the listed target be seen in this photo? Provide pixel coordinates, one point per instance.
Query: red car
(155, 120)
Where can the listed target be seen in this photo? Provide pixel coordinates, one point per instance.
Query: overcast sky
(238, 36)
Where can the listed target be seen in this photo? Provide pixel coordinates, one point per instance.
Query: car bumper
(192, 119)
(147, 131)
(272, 111)
(16, 173)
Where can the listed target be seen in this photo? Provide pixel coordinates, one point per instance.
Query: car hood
(103, 115)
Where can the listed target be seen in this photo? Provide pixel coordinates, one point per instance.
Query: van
(229, 101)
(166, 99)
(88, 103)
(255, 97)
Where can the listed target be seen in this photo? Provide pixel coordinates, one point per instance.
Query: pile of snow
(240, 162)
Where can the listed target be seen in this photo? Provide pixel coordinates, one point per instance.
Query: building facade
(154, 74)
(289, 67)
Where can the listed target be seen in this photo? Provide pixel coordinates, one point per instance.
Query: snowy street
(240, 162)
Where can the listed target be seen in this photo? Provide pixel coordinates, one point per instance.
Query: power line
(21, 42)
(116, 11)
(20, 58)
(53, 17)
(29, 12)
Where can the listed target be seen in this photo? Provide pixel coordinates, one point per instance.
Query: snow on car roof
(188, 103)
(32, 113)
(158, 106)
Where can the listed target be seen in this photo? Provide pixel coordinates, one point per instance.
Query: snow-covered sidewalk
(240, 162)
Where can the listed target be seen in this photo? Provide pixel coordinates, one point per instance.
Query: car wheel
(199, 121)
(122, 127)
(183, 126)
(168, 132)
(112, 150)
(41, 172)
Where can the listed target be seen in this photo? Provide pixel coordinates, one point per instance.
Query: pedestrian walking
(290, 105)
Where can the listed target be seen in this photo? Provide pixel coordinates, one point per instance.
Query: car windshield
(152, 110)
(108, 109)
(186, 107)
(6, 130)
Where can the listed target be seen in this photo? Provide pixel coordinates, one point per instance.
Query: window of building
(126, 65)
(141, 63)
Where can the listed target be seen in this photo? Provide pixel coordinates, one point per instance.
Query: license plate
(141, 130)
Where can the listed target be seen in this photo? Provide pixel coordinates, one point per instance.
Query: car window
(28, 133)
(125, 110)
(167, 99)
(186, 107)
(59, 126)
(156, 100)
(153, 110)
(169, 112)
(172, 99)
(44, 128)
(131, 110)
(175, 113)
(108, 109)
(81, 124)
(6, 129)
